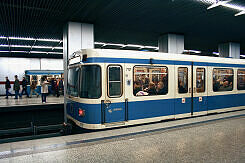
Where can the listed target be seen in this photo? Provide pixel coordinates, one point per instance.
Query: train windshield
(85, 82)
(90, 78)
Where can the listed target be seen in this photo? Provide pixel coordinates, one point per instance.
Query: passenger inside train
(150, 80)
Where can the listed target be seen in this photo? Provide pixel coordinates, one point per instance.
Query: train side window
(222, 79)
(114, 81)
(241, 79)
(150, 80)
(200, 80)
(183, 80)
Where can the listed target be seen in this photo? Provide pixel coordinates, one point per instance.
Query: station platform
(24, 101)
(213, 138)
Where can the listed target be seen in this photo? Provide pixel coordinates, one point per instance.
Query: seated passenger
(151, 89)
(161, 89)
(199, 81)
(137, 87)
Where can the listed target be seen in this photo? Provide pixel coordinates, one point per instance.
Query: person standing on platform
(61, 86)
(53, 85)
(44, 89)
(16, 86)
(7, 87)
(24, 87)
(33, 87)
(57, 87)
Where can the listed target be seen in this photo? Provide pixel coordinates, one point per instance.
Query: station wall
(17, 66)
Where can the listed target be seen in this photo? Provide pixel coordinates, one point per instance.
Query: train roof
(111, 53)
(44, 72)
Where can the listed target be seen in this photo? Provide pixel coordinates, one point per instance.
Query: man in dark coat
(16, 86)
(24, 87)
(7, 87)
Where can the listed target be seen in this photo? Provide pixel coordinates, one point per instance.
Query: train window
(222, 79)
(183, 80)
(72, 85)
(115, 81)
(150, 80)
(200, 80)
(90, 81)
(241, 79)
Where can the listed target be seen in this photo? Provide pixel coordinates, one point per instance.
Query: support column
(171, 43)
(230, 49)
(76, 36)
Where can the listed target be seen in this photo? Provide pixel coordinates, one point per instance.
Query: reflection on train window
(90, 80)
(150, 80)
(222, 79)
(72, 85)
(241, 79)
(115, 81)
(183, 79)
(200, 80)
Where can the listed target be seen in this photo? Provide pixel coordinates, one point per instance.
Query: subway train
(35, 76)
(113, 88)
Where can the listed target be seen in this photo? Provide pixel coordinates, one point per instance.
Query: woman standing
(44, 89)
(33, 87)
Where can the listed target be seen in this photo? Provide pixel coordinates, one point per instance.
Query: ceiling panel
(126, 22)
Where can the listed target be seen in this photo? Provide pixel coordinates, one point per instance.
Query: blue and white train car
(110, 88)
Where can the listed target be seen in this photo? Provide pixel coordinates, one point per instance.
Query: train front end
(84, 92)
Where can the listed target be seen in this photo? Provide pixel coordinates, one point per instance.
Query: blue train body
(195, 85)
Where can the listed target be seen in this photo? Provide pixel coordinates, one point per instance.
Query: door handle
(194, 91)
(107, 103)
(189, 90)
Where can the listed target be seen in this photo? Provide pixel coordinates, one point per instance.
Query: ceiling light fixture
(240, 13)
(192, 51)
(30, 39)
(215, 53)
(225, 3)
(218, 3)
(28, 46)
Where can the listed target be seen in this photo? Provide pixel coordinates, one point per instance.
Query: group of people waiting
(56, 87)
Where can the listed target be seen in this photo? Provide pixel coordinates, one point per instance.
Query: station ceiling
(138, 22)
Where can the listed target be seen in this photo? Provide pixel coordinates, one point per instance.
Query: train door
(183, 89)
(199, 90)
(114, 103)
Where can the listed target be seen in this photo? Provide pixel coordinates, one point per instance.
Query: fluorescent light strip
(227, 3)
(135, 46)
(45, 52)
(151, 47)
(192, 51)
(39, 52)
(218, 3)
(30, 39)
(240, 13)
(126, 45)
(215, 53)
(27, 46)
(99, 43)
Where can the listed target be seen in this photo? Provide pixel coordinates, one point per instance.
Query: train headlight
(81, 112)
